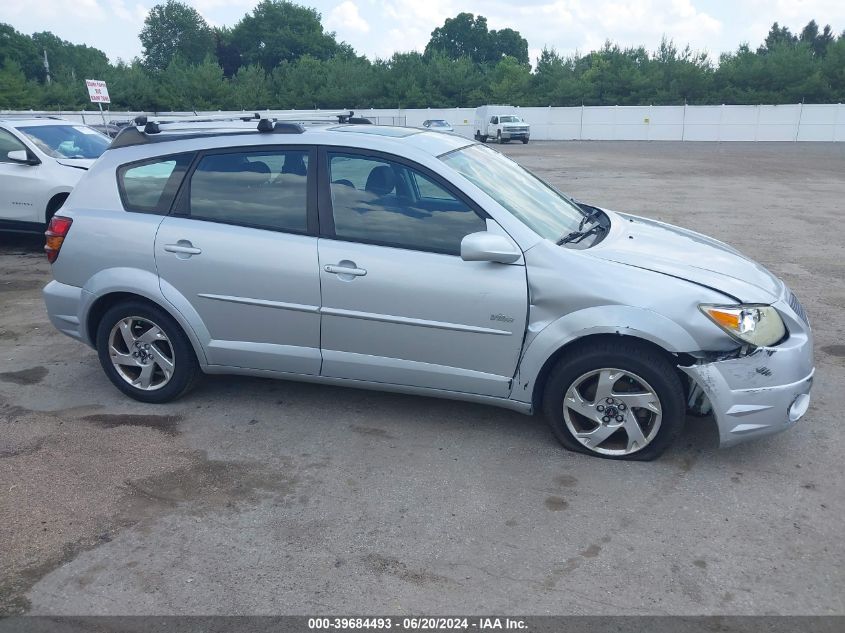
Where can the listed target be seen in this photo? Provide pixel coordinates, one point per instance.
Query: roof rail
(143, 119)
(316, 116)
(146, 131)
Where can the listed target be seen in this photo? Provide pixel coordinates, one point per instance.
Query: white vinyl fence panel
(792, 122)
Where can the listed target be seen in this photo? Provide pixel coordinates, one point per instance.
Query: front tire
(525, 141)
(145, 353)
(617, 400)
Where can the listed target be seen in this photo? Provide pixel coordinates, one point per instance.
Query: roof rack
(132, 135)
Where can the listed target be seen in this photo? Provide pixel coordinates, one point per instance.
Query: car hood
(79, 163)
(688, 255)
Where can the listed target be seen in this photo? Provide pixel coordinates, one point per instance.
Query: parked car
(501, 123)
(41, 160)
(402, 260)
(438, 125)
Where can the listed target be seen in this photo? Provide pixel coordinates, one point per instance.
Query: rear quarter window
(150, 186)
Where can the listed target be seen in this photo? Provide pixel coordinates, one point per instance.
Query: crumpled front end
(764, 391)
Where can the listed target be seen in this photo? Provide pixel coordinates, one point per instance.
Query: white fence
(798, 122)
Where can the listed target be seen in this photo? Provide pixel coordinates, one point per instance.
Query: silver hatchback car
(411, 261)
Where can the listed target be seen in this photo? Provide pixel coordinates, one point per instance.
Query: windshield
(439, 124)
(510, 119)
(535, 203)
(67, 141)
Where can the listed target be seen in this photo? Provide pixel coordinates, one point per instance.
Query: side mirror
(23, 157)
(488, 247)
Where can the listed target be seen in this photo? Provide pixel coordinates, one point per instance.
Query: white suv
(41, 160)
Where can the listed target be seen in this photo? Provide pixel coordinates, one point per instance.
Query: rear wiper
(577, 236)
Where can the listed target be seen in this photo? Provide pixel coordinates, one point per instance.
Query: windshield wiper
(588, 215)
(577, 236)
(580, 234)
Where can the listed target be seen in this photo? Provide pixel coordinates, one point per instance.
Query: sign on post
(97, 91)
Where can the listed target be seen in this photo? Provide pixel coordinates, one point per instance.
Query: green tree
(350, 82)
(677, 77)
(449, 82)
(833, 70)
(555, 81)
(131, 86)
(75, 61)
(509, 82)
(251, 89)
(189, 87)
(616, 76)
(818, 42)
(15, 91)
(20, 48)
(466, 35)
(279, 56)
(403, 81)
(64, 92)
(228, 55)
(462, 36)
(508, 43)
(175, 29)
(277, 31)
(778, 35)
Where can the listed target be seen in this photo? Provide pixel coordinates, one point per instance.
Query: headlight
(758, 325)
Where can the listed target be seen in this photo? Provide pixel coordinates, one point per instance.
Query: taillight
(56, 233)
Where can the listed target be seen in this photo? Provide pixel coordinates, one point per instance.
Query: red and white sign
(97, 91)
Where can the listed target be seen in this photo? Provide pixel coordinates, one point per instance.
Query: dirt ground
(254, 496)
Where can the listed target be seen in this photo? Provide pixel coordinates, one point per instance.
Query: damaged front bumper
(763, 392)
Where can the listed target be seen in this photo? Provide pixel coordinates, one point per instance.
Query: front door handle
(182, 247)
(340, 269)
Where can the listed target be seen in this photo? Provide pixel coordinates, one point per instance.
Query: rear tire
(145, 353)
(615, 399)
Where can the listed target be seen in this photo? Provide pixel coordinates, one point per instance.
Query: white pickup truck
(500, 122)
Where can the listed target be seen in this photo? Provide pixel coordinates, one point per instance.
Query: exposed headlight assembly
(758, 325)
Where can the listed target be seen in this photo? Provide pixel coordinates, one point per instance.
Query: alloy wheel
(612, 411)
(141, 353)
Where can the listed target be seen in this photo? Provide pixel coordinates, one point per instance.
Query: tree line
(280, 56)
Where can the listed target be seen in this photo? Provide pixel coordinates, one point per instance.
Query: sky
(377, 28)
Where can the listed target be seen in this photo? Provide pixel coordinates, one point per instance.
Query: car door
(399, 304)
(22, 186)
(241, 248)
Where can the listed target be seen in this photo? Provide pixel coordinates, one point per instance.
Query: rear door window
(150, 186)
(261, 189)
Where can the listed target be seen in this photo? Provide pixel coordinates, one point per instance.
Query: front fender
(144, 284)
(608, 319)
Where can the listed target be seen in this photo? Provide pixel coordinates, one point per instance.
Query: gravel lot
(255, 496)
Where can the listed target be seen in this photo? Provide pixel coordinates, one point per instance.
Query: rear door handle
(337, 269)
(183, 247)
